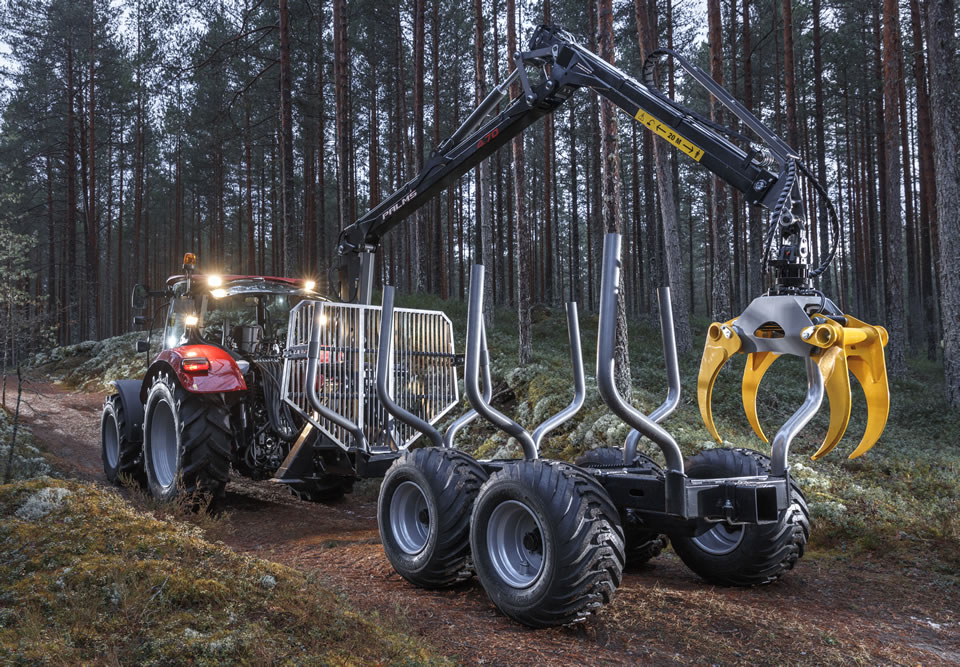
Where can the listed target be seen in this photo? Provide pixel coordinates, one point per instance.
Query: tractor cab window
(176, 327)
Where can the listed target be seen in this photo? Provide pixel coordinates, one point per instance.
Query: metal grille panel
(424, 371)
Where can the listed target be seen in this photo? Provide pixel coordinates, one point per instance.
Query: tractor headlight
(214, 281)
(191, 320)
(309, 285)
(218, 293)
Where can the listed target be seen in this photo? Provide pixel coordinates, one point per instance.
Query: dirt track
(827, 610)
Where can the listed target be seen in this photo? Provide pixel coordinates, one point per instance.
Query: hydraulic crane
(791, 317)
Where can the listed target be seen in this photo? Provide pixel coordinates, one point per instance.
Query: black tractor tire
(641, 544)
(424, 515)
(547, 542)
(328, 489)
(747, 555)
(186, 441)
(120, 454)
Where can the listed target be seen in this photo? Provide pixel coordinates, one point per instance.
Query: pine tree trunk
(420, 217)
(893, 221)
(291, 235)
(524, 241)
(647, 31)
(483, 194)
(754, 223)
(720, 289)
(610, 187)
(927, 180)
(945, 97)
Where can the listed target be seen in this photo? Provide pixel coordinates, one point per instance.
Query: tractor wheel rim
(515, 543)
(410, 518)
(163, 444)
(111, 440)
(721, 539)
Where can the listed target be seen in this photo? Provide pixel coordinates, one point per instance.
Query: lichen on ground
(86, 577)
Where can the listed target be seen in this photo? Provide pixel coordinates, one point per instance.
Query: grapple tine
(722, 343)
(757, 365)
(868, 364)
(833, 367)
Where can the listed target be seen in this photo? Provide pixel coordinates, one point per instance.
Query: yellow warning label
(667, 133)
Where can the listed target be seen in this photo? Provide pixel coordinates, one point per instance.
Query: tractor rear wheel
(547, 542)
(744, 555)
(186, 441)
(424, 515)
(120, 455)
(641, 544)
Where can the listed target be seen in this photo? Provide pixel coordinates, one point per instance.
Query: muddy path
(827, 610)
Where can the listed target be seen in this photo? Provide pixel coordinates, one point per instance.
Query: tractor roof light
(309, 285)
(189, 262)
(214, 281)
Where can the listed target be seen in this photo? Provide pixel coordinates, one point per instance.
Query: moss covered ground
(85, 577)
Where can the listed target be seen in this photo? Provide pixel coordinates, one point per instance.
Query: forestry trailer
(549, 540)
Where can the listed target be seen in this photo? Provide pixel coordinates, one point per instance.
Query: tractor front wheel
(186, 441)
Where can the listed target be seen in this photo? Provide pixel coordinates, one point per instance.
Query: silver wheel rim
(163, 444)
(410, 518)
(515, 543)
(111, 440)
(721, 539)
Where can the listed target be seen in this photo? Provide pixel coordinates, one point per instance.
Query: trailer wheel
(745, 555)
(424, 515)
(119, 454)
(640, 544)
(547, 542)
(186, 442)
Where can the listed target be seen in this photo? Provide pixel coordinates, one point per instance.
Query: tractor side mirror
(139, 320)
(143, 346)
(138, 298)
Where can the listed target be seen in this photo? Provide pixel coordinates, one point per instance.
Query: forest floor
(833, 607)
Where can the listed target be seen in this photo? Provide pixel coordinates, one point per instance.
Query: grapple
(809, 326)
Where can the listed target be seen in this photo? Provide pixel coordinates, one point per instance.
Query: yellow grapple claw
(757, 365)
(836, 379)
(722, 343)
(867, 363)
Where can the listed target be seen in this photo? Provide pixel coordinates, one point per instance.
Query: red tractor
(212, 396)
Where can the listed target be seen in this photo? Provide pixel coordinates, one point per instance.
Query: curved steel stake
(606, 341)
(799, 419)
(471, 378)
(313, 359)
(471, 414)
(579, 383)
(673, 374)
(385, 374)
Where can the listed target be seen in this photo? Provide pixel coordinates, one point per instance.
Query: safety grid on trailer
(424, 379)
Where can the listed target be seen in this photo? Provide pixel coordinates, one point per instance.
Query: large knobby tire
(186, 441)
(424, 515)
(747, 555)
(641, 544)
(547, 542)
(120, 455)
